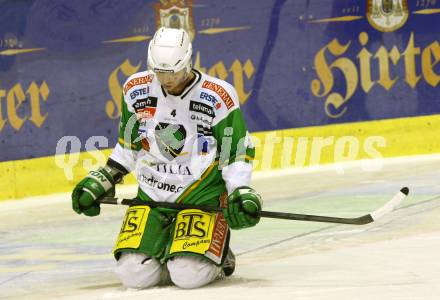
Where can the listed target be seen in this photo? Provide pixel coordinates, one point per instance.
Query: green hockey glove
(97, 184)
(244, 205)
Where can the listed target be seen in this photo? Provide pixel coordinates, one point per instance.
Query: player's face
(173, 82)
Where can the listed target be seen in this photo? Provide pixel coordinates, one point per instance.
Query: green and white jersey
(188, 148)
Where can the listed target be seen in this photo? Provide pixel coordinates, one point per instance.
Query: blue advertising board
(293, 63)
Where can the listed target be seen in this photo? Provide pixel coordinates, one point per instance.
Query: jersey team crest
(387, 15)
(175, 14)
(170, 139)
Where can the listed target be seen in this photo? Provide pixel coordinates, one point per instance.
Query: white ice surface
(49, 252)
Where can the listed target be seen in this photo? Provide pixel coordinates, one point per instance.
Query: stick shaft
(270, 214)
(314, 218)
(131, 202)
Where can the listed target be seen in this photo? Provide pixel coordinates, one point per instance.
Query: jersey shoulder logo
(219, 90)
(138, 81)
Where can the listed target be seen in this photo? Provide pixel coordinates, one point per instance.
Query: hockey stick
(388, 207)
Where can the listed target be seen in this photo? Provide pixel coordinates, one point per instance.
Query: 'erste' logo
(211, 98)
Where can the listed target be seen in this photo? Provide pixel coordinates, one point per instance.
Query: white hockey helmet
(170, 51)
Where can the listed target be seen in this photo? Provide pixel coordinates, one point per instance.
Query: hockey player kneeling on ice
(183, 135)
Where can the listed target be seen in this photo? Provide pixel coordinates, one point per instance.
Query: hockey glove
(96, 185)
(244, 205)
